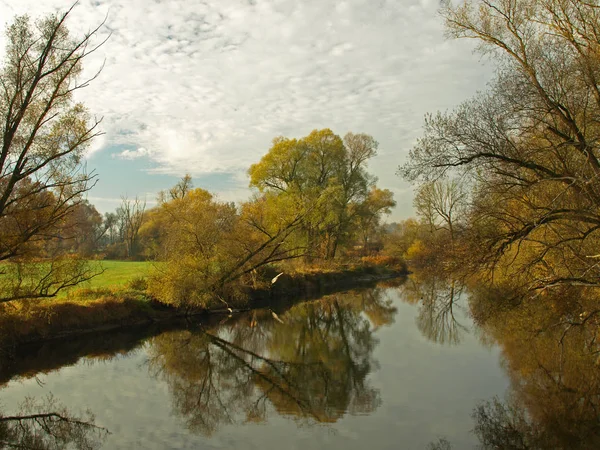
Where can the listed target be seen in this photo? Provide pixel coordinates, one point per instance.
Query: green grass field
(117, 274)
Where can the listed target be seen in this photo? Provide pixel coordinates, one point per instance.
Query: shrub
(391, 262)
(138, 284)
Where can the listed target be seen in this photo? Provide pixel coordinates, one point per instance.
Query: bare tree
(442, 204)
(181, 189)
(531, 141)
(131, 213)
(46, 424)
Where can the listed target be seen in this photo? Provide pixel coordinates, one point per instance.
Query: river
(400, 365)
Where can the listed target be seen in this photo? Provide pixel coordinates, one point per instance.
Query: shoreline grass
(113, 301)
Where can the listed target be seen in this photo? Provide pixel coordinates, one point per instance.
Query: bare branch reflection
(438, 297)
(46, 424)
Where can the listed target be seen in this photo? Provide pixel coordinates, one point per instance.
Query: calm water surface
(385, 367)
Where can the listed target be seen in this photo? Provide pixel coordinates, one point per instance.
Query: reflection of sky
(427, 391)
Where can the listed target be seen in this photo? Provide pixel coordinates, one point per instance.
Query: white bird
(274, 280)
(276, 317)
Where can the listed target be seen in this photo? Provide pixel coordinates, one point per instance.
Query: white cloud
(203, 87)
(132, 154)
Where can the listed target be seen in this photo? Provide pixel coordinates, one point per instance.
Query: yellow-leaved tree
(211, 250)
(326, 177)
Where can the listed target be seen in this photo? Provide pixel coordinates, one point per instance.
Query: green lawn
(118, 273)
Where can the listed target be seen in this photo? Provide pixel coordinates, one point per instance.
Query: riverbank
(104, 310)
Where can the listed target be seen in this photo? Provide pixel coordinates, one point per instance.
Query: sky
(203, 87)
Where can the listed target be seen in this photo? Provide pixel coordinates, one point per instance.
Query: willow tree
(324, 176)
(44, 136)
(529, 144)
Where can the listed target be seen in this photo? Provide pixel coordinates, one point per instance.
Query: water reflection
(551, 355)
(313, 366)
(48, 425)
(437, 296)
(550, 352)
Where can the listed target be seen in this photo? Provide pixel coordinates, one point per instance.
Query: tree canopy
(44, 137)
(326, 177)
(528, 146)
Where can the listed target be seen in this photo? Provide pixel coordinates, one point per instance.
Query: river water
(395, 366)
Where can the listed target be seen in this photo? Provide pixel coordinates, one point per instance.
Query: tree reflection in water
(551, 353)
(46, 424)
(437, 297)
(312, 367)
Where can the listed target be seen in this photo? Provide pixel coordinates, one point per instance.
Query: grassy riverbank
(117, 299)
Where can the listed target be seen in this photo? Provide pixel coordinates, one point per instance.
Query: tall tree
(80, 233)
(442, 204)
(325, 177)
(212, 249)
(378, 202)
(44, 136)
(131, 215)
(530, 143)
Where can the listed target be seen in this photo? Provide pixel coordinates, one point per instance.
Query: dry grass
(384, 261)
(26, 321)
(370, 264)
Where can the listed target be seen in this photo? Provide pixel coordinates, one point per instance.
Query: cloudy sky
(202, 87)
